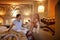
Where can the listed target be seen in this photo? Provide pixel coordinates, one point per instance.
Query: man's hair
(18, 15)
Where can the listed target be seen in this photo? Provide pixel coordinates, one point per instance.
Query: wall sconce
(2, 12)
(41, 9)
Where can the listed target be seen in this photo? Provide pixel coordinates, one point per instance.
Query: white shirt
(18, 25)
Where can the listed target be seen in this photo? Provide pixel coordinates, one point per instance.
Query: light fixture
(14, 3)
(41, 8)
(2, 12)
(40, 0)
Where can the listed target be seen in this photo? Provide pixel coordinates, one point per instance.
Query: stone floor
(43, 35)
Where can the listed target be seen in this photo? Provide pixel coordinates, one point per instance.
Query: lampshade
(41, 8)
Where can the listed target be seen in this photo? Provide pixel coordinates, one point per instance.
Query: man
(18, 25)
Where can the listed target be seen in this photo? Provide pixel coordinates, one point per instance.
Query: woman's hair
(18, 15)
(37, 17)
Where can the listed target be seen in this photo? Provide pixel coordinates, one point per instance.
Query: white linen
(24, 30)
(2, 29)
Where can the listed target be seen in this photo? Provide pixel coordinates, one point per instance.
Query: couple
(18, 25)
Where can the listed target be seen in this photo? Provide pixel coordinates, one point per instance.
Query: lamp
(41, 8)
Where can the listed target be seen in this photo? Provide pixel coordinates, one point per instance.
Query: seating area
(50, 25)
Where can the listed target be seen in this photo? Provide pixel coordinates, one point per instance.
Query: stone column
(57, 10)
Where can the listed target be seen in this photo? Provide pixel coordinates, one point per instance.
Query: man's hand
(22, 28)
(7, 30)
(10, 27)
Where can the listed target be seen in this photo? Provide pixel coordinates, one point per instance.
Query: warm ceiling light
(40, 0)
(14, 3)
(41, 8)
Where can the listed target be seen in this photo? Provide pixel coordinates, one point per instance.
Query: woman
(36, 23)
